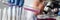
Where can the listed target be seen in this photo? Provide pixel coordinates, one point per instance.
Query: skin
(38, 5)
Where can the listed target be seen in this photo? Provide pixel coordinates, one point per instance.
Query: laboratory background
(29, 9)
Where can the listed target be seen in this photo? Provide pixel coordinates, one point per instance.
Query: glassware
(4, 16)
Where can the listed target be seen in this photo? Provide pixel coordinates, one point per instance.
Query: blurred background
(51, 10)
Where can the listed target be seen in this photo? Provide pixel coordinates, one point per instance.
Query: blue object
(11, 1)
(59, 13)
(21, 3)
(16, 2)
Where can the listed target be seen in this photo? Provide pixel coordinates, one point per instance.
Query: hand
(38, 5)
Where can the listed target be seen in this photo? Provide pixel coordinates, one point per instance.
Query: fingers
(38, 5)
(41, 8)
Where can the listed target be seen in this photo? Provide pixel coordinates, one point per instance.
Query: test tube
(17, 13)
(13, 12)
(4, 16)
(21, 15)
(9, 13)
